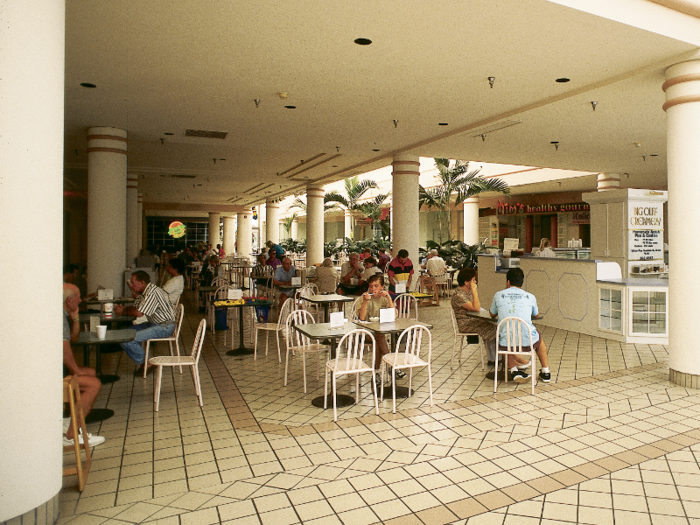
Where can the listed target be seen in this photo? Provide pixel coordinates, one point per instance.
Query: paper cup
(109, 309)
(101, 331)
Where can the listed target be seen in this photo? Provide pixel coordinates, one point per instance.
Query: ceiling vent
(201, 133)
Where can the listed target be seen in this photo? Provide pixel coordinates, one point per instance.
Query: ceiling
(165, 67)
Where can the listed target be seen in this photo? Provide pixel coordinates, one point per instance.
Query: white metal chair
(409, 357)
(441, 280)
(277, 327)
(351, 362)
(191, 360)
(299, 302)
(355, 309)
(515, 329)
(406, 306)
(462, 335)
(297, 342)
(174, 338)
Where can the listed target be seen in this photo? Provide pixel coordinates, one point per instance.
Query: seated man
(89, 384)
(374, 300)
(516, 302)
(273, 260)
(176, 284)
(283, 277)
(153, 303)
(350, 274)
(435, 265)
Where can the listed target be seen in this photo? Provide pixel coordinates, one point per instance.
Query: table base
(342, 400)
(501, 375)
(106, 379)
(241, 351)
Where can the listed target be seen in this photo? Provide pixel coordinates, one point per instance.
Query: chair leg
(481, 351)
(286, 365)
(374, 391)
(430, 384)
(357, 389)
(255, 346)
(279, 348)
(495, 373)
(410, 381)
(177, 349)
(382, 367)
(198, 384)
(145, 362)
(267, 336)
(452, 358)
(303, 365)
(325, 390)
(335, 399)
(393, 388)
(156, 394)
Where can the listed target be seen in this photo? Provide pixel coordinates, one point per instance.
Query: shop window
(648, 312)
(610, 317)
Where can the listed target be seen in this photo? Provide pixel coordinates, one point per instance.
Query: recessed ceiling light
(334, 166)
(443, 124)
(362, 41)
(375, 149)
(563, 80)
(290, 107)
(169, 134)
(88, 85)
(654, 155)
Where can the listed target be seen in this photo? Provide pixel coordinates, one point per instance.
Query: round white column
(272, 216)
(106, 208)
(294, 230)
(229, 235)
(141, 233)
(471, 221)
(314, 225)
(245, 233)
(404, 191)
(214, 220)
(32, 63)
(347, 215)
(132, 219)
(682, 108)
(608, 181)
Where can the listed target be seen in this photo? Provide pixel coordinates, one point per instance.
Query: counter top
(636, 281)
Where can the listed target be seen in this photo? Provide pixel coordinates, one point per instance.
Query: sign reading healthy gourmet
(645, 224)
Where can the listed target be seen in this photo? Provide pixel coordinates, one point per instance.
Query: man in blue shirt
(283, 276)
(516, 302)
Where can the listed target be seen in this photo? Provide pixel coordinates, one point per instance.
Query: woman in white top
(176, 284)
(546, 249)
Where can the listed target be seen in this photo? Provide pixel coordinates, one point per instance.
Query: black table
(392, 329)
(326, 301)
(324, 331)
(242, 350)
(88, 339)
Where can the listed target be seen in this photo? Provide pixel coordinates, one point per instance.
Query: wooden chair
(71, 395)
(406, 306)
(297, 342)
(515, 329)
(462, 335)
(351, 361)
(429, 286)
(191, 360)
(278, 327)
(174, 338)
(409, 357)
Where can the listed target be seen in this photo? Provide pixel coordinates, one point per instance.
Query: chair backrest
(199, 340)
(286, 309)
(455, 327)
(222, 292)
(295, 337)
(355, 309)
(351, 350)
(219, 281)
(406, 306)
(515, 329)
(410, 343)
(179, 316)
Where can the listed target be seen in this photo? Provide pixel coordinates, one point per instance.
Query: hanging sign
(176, 229)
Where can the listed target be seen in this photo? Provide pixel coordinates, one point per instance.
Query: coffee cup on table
(101, 331)
(109, 309)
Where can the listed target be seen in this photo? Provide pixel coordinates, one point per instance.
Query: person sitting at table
(273, 260)
(373, 300)
(70, 273)
(88, 382)
(258, 273)
(153, 303)
(176, 284)
(326, 277)
(435, 265)
(383, 260)
(400, 270)
(466, 299)
(283, 277)
(350, 274)
(367, 252)
(371, 269)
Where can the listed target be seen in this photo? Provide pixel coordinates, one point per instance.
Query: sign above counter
(517, 208)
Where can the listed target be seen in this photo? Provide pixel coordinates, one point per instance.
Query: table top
(387, 328)
(209, 289)
(484, 314)
(116, 300)
(329, 298)
(113, 336)
(324, 330)
(240, 305)
(289, 286)
(85, 318)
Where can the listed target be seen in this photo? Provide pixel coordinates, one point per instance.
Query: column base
(44, 514)
(683, 379)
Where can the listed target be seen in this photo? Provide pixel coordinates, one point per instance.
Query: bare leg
(283, 298)
(89, 388)
(382, 348)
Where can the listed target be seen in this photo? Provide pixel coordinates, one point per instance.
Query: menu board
(646, 245)
(645, 225)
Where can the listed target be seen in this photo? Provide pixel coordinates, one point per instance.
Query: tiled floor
(609, 440)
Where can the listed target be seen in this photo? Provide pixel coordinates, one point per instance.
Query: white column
(214, 220)
(314, 225)
(347, 215)
(272, 216)
(229, 235)
(404, 191)
(132, 220)
(262, 222)
(682, 108)
(471, 221)
(32, 40)
(139, 212)
(245, 233)
(294, 230)
(106, 208)
(608, 181)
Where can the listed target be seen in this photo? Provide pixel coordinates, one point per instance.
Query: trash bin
(261, 313)
(220, 319)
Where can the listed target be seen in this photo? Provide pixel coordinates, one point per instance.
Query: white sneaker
(66, 424)
(93, 440)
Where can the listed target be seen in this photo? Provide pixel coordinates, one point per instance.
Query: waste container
(261, 313)
(220, 319)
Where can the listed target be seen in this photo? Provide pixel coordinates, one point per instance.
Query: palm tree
(354, 190)
(328, 204)
(455, 180)
(288, 224)
(372, 210)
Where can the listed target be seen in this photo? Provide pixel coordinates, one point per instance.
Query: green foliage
(354, 190)
(455, 253)
(375, 244)
(293, 245)
(288, 224)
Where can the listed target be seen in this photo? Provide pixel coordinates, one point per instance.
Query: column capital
(682, 84)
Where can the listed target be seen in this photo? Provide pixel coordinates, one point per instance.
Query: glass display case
(610, 309)
(649, 311)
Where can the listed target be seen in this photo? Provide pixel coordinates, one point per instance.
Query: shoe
(139, 371)
(400, 374)
(66, 424)
(92, 440)
(491, 363)
(387, 382)
(545, 377)
(519, 377)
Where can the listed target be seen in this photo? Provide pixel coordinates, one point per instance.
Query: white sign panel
(645, 215)
(646, 245)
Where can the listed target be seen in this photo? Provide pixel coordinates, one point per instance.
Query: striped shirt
(154, 303)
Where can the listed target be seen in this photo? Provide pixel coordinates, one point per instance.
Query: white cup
(101, 331)
(109, 309)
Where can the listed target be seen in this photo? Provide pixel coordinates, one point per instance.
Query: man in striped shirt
(154, 303)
